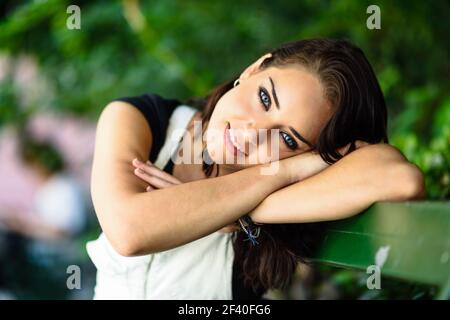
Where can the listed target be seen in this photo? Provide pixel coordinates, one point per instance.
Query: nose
(256, 127)
(249, 124)
(248, 133)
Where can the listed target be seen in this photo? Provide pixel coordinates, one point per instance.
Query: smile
(231, 142)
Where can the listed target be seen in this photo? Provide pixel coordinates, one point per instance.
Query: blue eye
(264, 98)
(290, 143)
(266, 102)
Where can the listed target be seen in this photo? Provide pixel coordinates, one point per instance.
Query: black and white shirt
(202, 269)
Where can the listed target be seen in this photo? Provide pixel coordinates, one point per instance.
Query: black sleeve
(157, 111)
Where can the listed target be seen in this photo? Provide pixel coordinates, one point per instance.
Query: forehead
(302, 101)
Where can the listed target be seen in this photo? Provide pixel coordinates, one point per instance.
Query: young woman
(160, 216)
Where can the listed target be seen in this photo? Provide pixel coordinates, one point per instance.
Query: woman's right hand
(307, 164)
(159, 179)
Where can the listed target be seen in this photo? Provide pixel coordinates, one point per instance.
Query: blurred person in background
(59, 205)
(37, 245)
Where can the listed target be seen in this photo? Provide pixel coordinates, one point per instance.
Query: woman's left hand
(155, 177)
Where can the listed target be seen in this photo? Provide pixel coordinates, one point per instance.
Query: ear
(254, 67)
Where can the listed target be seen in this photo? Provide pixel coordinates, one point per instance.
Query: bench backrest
(408, 240)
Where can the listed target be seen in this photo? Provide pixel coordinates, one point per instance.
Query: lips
(229, 141)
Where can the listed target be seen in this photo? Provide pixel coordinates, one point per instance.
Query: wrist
(277, 172)
(290, 171)
(303, 166)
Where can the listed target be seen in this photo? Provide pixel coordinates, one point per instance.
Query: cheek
(219, 115)
(226, 110)
(266, 149)
(235, 104)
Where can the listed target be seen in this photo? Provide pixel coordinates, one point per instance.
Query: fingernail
(136, 160)
(137, 170)
(148, 188)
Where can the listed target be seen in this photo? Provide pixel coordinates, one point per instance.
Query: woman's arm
(138, 222)
(367, 175)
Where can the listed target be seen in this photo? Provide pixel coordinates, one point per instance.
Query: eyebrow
(295, 132)
(274, 93)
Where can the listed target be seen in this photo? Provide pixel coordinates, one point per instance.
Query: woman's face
(290, 99)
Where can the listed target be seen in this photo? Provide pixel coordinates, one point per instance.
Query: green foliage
(185, 48)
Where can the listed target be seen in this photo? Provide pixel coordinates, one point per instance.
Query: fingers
(156, 178)
(154, 181)
(149, 169)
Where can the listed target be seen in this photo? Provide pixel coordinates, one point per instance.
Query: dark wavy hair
(359, 113)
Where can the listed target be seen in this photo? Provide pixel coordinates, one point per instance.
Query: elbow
(125, 236)
(121, 237)
(126, 242)
(129, 250)
(123, 242)
(122, 224)
(123, 247)
(412, 182)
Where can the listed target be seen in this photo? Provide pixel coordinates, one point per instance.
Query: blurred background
(55, 81)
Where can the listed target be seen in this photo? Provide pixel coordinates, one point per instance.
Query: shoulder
(150, 99)
(152, 105)
(153, 108)
(142, 112)
(120, 120)
(382, 151)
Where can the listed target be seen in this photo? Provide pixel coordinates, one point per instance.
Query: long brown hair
(359, 114)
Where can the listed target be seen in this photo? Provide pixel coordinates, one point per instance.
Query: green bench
(412, 238)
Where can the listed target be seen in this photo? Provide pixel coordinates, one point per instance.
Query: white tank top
(201, 269)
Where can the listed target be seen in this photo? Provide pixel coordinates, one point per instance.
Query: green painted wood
(444, 293)
(414, 235)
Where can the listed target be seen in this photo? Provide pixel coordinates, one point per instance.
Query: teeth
(234, 141)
